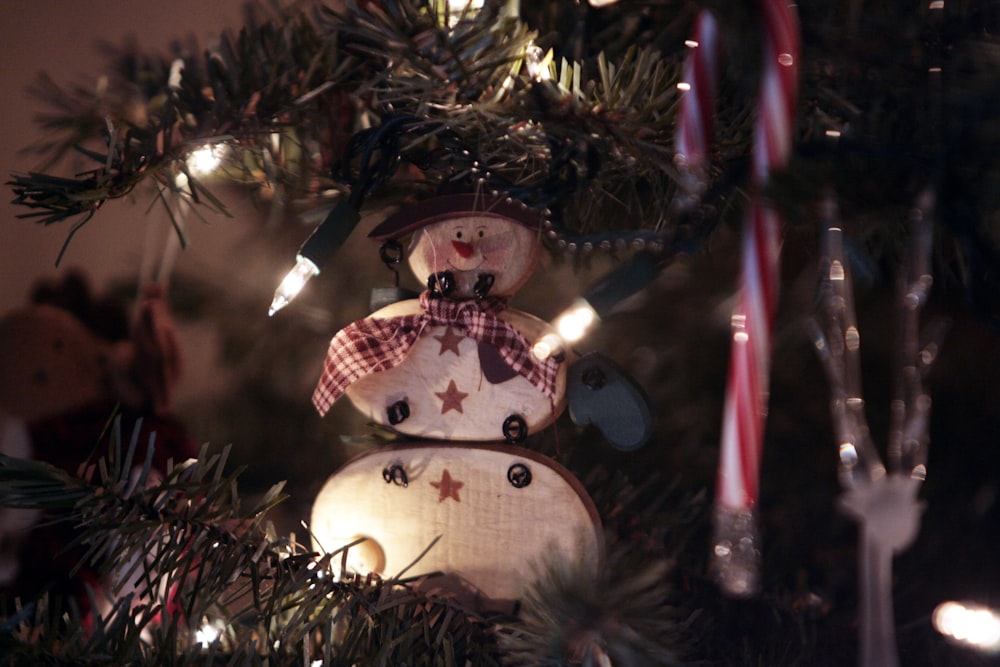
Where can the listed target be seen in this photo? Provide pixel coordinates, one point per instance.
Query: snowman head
(468, 246)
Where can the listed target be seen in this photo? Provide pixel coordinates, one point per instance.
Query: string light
(205, 160)
(569, 327)
(315, 252)
(293, 283)
(207, 635)
(549, 345)
(537, 62)
(574, 323)
(972, 625)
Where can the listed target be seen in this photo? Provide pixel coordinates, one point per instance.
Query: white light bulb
(293, 283)
(204, 160)
(570, 326)
(537, 63)
(574, 323)
(207, 635)
(975, 626)
(548, 345)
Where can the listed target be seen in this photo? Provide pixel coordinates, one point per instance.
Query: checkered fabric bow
(377, 344)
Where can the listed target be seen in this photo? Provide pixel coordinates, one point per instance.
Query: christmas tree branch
(179, 555)
(189, 574)
(265, 93)
(283, 97)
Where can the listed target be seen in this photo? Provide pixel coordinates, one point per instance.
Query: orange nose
(463, 249)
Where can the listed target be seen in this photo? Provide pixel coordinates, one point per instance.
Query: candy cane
(736, 554)
(696, 118)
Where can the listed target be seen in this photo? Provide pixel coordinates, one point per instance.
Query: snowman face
(472, 247)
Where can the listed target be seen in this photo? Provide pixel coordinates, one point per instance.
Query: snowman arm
(601, 393)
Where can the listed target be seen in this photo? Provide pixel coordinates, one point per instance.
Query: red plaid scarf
(371, 345)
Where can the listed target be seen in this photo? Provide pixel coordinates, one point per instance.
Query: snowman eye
(481, 233)
(458, 235)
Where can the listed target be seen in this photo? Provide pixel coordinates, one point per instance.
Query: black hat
(448, 207)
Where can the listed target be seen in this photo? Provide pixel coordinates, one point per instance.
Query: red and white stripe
(778, 88)
(753, 319)
(699, 86)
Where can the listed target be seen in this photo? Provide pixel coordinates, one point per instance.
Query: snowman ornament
(453, 370)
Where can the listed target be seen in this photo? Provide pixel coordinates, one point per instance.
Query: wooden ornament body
(446, 389)
(492, 534)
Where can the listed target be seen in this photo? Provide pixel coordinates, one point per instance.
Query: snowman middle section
(453, 382)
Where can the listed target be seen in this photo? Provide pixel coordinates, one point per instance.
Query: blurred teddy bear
(68, 361)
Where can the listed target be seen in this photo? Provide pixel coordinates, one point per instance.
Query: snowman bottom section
(491, 516)
(450, 386)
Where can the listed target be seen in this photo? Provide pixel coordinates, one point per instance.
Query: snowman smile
(482, 260)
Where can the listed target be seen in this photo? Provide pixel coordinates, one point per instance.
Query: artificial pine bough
(589, 139)
(193, 578)
(180, 557)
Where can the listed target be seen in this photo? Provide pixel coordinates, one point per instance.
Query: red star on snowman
(448, 487)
